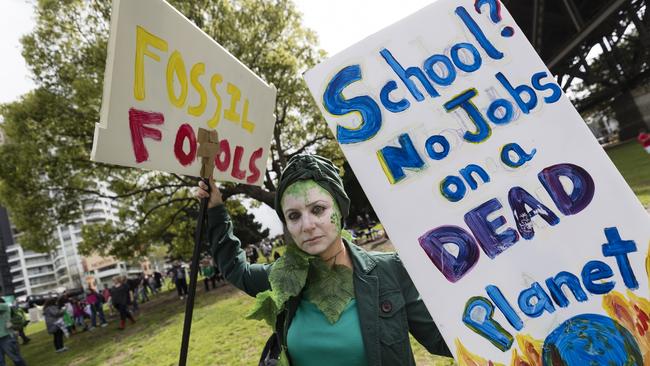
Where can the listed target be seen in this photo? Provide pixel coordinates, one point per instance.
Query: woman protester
(330, 302)
(120, 298)
(54, 323)
(96, 302)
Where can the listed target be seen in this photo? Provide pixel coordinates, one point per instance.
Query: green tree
(245, 227)
(359, 203)
(45, 171)
(607, 81)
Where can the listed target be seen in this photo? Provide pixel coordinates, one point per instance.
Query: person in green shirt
(208, 272)
(330, 302)
(19, 322)
(8, 343)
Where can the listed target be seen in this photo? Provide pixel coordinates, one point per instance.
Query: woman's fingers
(201, 191)
(214, 195)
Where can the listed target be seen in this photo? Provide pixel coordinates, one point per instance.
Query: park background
(53, 95)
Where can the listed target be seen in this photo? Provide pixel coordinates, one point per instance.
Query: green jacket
(389, 305)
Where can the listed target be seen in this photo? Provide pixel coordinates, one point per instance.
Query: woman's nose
(308, 223)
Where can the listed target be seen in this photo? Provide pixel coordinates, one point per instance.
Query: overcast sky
(338, 23)
(16, 19)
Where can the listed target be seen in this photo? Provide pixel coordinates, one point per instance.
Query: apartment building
(26, 272)
(6, 240)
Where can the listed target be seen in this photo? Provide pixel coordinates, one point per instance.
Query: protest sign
(523, 239)
(164, 80)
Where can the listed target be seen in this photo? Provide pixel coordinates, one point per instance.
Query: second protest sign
(523, 239)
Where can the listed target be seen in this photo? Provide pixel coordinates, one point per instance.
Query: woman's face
(312, 216)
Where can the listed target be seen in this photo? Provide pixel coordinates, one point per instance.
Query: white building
(37, 273)
(30, 272)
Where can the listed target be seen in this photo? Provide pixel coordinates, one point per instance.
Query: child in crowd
(78, 313)
(106, 293)
(68, 318)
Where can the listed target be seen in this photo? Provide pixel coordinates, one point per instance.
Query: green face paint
(300, 188)
(300, 191)
(336, 217)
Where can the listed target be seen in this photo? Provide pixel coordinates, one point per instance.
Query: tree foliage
(245, 227)
(359, 203)
(45, 169)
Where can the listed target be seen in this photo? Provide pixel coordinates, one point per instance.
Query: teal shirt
(313, 341)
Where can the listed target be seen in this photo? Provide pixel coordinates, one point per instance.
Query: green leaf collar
(329, 288)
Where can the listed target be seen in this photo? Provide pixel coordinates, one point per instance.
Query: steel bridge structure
(564, 32)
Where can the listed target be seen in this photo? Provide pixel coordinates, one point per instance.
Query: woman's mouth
(312, 240)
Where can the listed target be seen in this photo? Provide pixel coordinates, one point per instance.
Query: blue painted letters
(336, 104)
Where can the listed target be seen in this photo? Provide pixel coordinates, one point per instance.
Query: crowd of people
(70, 314)
(66, 316)
(266, 247)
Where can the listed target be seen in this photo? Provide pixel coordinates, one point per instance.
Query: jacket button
(386, 306)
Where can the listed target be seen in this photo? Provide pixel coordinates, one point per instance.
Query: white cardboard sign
(165, 79)
(522, 237)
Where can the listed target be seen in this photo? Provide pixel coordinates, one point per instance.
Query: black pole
(194, 270)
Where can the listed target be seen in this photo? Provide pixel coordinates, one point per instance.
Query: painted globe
(591, 339)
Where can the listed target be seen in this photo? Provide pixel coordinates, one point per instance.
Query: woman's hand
(215, 194)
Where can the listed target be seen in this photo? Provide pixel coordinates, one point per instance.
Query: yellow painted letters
(142, 40)
(235, 94)
(176, 65)
(214, 121)
(198, 70)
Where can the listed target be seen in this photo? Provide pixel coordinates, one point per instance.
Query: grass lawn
(634, 164)
(220, 336)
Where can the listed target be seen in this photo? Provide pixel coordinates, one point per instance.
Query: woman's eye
(293, 216)
(317, 210)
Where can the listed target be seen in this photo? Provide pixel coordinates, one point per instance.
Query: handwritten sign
(520, 234)
(164, 80)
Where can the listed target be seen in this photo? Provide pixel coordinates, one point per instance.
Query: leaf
(330, 289)
(289, 274)
(265, 308)
(284, 360)
(347, 235)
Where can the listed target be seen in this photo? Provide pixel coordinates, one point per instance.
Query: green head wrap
(318, 169)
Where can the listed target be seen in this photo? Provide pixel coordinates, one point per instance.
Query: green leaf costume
(330, 289)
